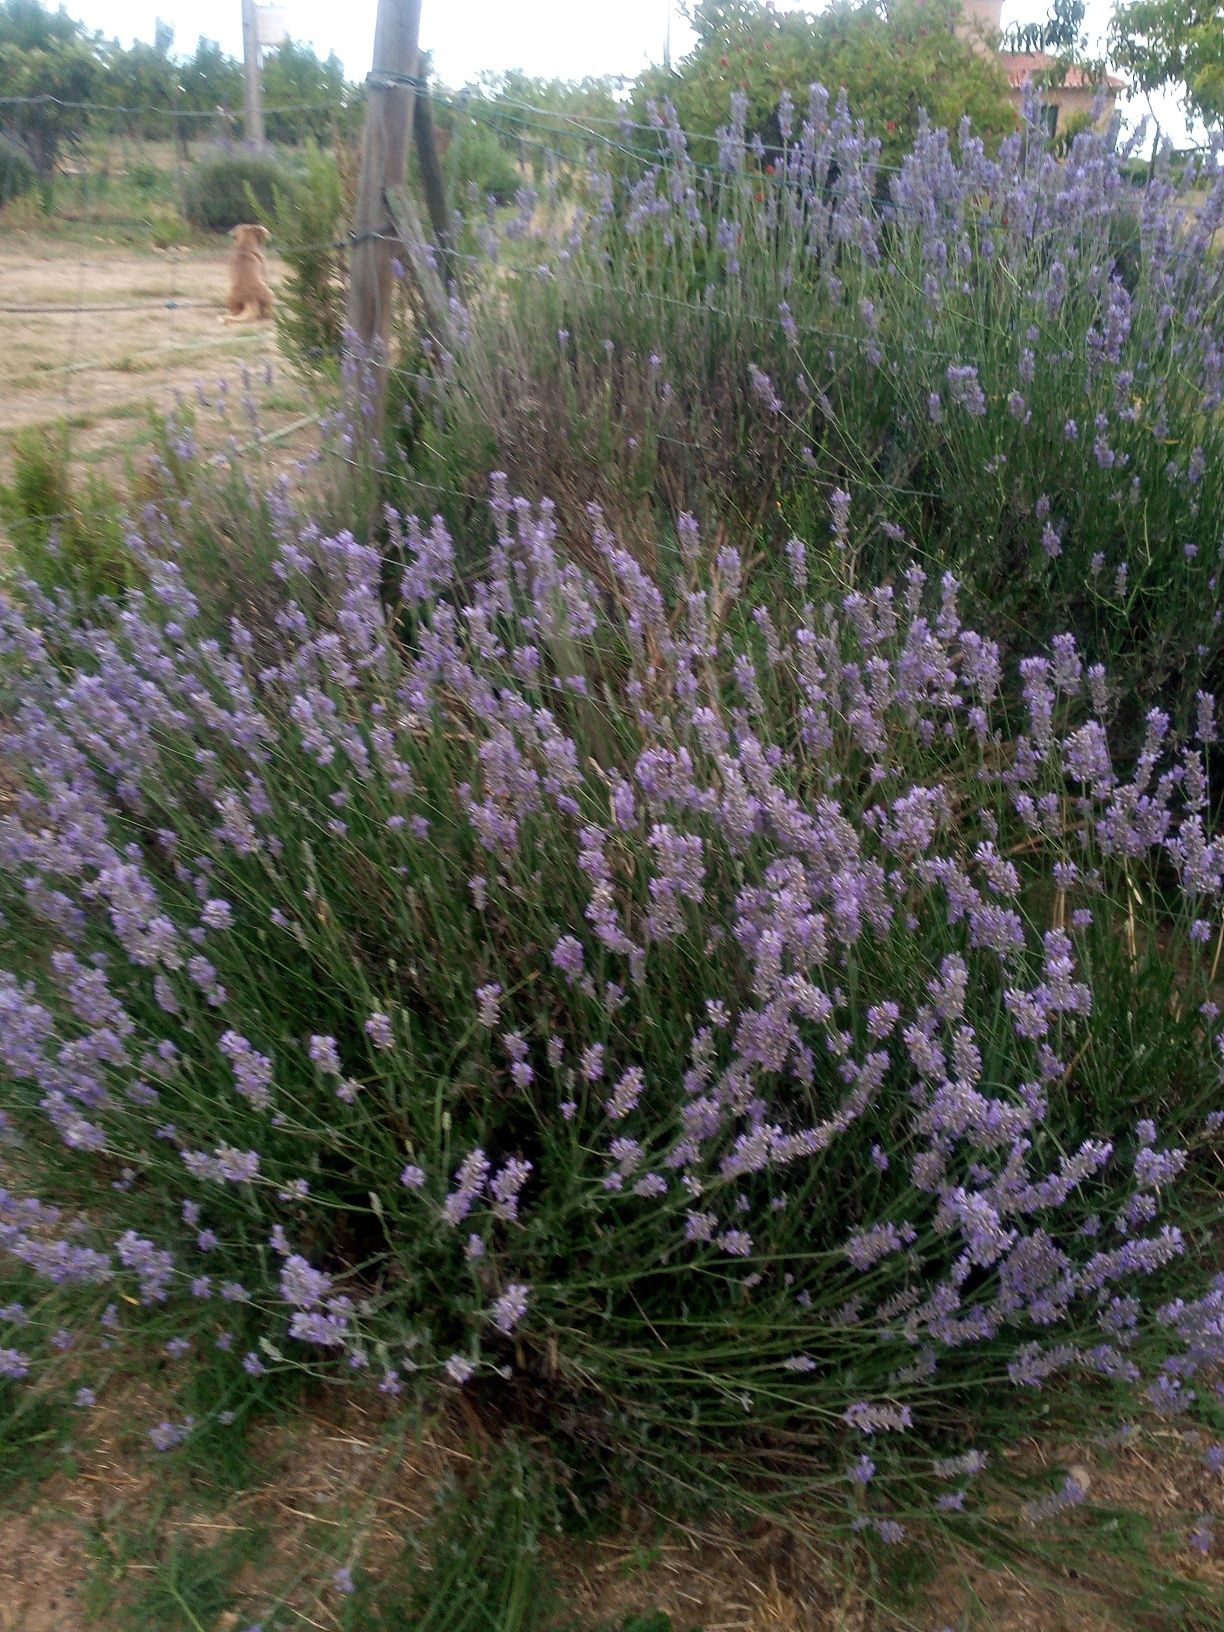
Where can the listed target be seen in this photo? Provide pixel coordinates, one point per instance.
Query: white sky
(562, 38)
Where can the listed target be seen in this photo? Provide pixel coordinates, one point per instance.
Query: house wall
(1070, 102)
(980, 19)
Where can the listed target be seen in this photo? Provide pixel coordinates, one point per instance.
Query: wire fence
(92, 315)
(111, 308)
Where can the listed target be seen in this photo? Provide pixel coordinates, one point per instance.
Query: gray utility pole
(391, 97)
(252, 87)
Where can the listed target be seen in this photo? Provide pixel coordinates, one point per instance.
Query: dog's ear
(264, 234)
(234, 232)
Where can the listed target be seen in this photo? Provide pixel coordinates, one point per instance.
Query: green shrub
(17, 174)
(895, 62)
(146, 178)
(166, 228)
(308, 219)
(1004, 359)
(232, 187)
(685, 991)
(64, 538)
(481, 167)
(687, 1012)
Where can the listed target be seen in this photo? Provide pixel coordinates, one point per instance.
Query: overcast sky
(562, 38)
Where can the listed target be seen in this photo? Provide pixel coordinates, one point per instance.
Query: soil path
(97, 335)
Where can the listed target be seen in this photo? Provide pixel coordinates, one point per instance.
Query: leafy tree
(893, 62)
(533, 117)
(313, 90)
(143, 78)
(1062, 33)
(45, 54)
(210, 79)
(1163, 43)
(1061, 36)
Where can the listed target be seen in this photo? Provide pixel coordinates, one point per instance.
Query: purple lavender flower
(166, 1435)
(627, 1093)
(568, 957)
(487, 1001)
(252, 1071)
(378, 1029)
(238, 1166)
(325, 1055)
(506, 1187)
(873, 1419)
(470, 1180)
(510, 1307)
(459, 1369)
(328, 1329)
(1070, 1494)
(302, 1285)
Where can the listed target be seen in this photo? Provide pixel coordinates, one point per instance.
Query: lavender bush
(703, 1020)
(1012, 362)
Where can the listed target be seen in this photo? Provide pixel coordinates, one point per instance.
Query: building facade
(1075, 96)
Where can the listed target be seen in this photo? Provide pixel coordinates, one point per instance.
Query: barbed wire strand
(486, 112)
(151, 110)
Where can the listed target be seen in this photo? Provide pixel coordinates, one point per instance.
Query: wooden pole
(431, 178)
(384, 158)
(429, 286)
(252, 88)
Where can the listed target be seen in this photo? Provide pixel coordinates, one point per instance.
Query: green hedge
(232, 187)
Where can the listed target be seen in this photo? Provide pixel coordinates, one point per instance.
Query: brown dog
(249, 298)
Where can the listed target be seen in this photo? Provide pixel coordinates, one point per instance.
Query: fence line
(154, 110)
(556, 123)
(485, 111)
(131, 306)
(543, 123)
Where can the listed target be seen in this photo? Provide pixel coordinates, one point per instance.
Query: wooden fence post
(431, 180)
(384, 155)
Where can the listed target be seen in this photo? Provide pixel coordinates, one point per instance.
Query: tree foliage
(893, 62)
(1062, 32)
(210, 80)
(44, 55)
(47, 59)
(510, 129)
(141, 83)
(305, 95)
(1174, 43)
(1063, 38)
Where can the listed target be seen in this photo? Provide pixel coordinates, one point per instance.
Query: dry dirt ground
(97, 335)
(339, 1460)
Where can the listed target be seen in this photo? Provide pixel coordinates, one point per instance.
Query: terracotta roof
(1020, 66)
